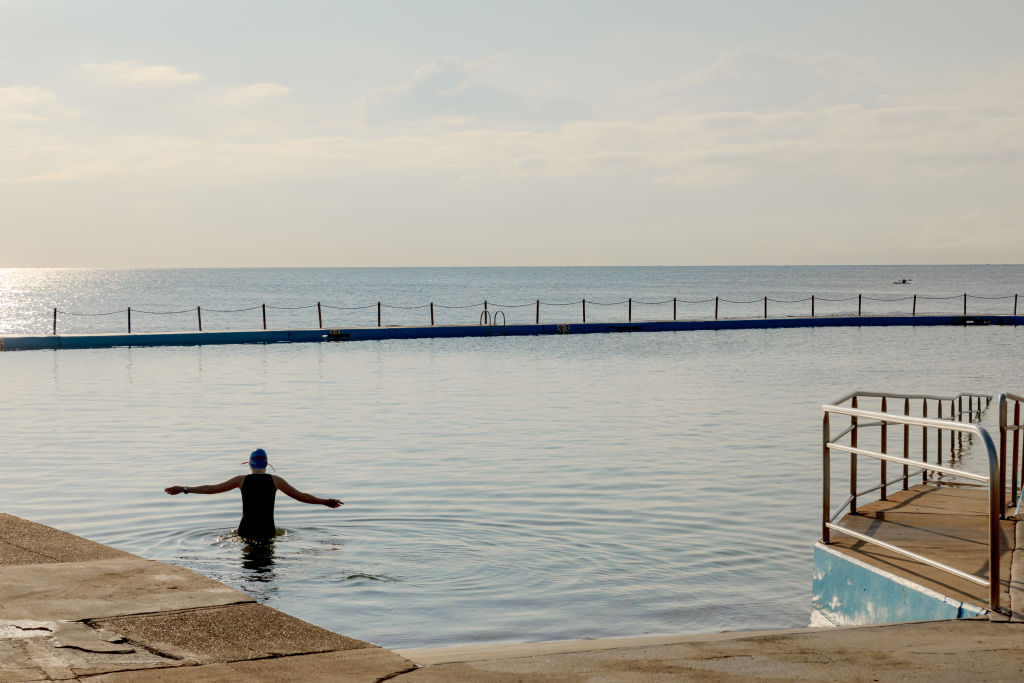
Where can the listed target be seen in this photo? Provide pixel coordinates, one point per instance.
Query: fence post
(630, 309)
(812, 310)
(766, 308)
(538, 311)
(716, 308)
(199, 316)
(584, 310)
(673, 308)
(860, 298)
(938, 455)
(1016, 451)
(431, 313)
(965, 303)
(1015, 304)
(319, 316)
(378, 314)
(914, 311)
(129, 320)
(55, 321)
(264, 316)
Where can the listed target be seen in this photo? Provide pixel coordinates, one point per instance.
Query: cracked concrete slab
(225, 634)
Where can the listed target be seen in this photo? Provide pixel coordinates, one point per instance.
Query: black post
(716, 308)
(766, 308)
(630, 309)
(319, 316)
(812, 308)
(199, 315)
(914, 312)
(431, 313)
(965, 303)
(538, 311)
(264, 316)
(584, 310)
(1014, 305)
(859, 298)
(129, 320)
(673, 308)
(378, 314)
(55, 320)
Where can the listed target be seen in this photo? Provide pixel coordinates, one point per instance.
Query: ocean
(496, 489)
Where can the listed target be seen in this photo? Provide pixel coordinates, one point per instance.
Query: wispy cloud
(255, 91)
(459, 92)
(136, 74)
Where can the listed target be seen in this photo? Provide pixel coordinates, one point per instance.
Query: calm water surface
(497, 489)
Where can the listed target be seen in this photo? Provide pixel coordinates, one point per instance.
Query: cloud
(460, 92)
(136, 74)
(254, 92)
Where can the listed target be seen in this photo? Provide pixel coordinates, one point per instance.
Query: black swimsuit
(258, 491)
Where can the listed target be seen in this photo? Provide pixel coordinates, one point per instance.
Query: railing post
(939, 453)
(55, 321)
(1015, 304)
(885, 447)
(264, 316)
(995, 503)
(199, 316)
(812, 305)
(129, 320)
(538, 311)
(860, 297)
(716, 308)
(1016, 451)
(1002, 456)
(766, 308)
(826, 481)
(378, 314)
(584, 310)
(319, 316)
(853, 461)
(906, 445)
(924, 441)
(914, 311)
(965, 303)
(630, 309)
(431, 313)
(673, 308)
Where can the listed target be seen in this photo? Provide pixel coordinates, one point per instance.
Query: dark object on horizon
(904, 281)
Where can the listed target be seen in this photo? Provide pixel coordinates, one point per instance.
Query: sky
(406, 133)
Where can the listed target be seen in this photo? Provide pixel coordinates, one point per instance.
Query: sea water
(496, 489)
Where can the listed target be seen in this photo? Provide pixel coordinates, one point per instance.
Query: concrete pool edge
(71, 608)
(150, 339)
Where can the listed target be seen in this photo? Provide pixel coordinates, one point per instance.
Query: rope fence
(487, 316)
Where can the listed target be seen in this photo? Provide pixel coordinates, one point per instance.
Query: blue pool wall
(848, 592)
(92, 341)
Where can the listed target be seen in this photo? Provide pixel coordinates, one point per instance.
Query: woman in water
(258, 491)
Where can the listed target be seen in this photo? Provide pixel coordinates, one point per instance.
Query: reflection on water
(258, 560)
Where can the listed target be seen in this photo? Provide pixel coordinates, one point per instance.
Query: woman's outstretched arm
(232, 483)
(290, 490)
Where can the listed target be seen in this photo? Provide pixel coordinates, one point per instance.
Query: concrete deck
(948, 524)
(73, 609)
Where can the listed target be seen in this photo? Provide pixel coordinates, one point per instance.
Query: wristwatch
(185, 490)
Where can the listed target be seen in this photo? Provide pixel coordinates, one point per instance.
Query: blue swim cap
(258, 459)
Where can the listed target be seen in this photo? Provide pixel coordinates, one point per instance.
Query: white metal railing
(861, 419)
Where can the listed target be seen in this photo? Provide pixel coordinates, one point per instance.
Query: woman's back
(258, 491)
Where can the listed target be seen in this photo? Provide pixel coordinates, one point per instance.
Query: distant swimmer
(258, 491)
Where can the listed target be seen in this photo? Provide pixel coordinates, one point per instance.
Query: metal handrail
(1004, 427)
(993, 479)
(956, 400)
